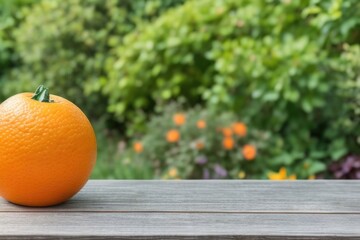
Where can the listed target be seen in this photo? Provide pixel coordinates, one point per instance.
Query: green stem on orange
(42, 94)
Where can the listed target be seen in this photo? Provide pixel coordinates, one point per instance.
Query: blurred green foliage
(65, 44)
(214, 149)
(11, 14)
(215, 49)
(288, 67)
(115, 159)
(274, 63)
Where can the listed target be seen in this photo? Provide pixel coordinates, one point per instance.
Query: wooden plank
(212, 196)
(177, 225)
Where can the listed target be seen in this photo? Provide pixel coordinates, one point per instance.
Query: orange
(47, 150)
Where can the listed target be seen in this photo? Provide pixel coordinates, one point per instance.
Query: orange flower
(201, 124)
(173, 172)
(281, 175)
(239, 129)
(249, 152)
(227, 132)
(179, 119)
(292, 177)
(228, 143)
(199, 145)
(138, 147)
(172, 135)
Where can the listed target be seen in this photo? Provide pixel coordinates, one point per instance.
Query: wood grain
(212, 196)
(178, 224)
(194, 210)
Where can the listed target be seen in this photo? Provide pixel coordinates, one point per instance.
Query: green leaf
(316, 167)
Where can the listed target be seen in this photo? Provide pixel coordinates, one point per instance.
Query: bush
(346, 168)
(11, 14)
(290, 68)
(200, 143)
(277, 64)
(65, 44)
(113, 160)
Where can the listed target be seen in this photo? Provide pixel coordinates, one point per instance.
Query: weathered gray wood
(178, 224)
(194, 210)
(212, 196)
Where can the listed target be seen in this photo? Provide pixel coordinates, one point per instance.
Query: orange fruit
(47, 149)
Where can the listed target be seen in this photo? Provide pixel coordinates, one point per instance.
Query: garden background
(178, 89)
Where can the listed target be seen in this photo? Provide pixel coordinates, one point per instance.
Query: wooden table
(193, 210)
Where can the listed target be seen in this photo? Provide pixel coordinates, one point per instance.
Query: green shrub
(11, 14)
(200, 143)
(114, 161)
(275, 63)
(65, 44)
